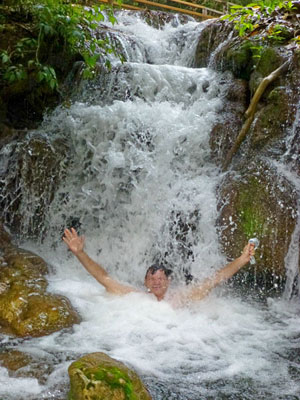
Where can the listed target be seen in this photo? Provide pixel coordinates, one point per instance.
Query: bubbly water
(141, 187)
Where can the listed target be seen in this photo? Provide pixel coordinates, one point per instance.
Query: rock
(5, 238)
(97, 376)
(26, 309)
(30, 175)
(252, 58)
(211, 42)
(25, 365)
(158, 19)
(14, 359)
(258, 203)
(230, 120)
(277, 110)
(31, 364)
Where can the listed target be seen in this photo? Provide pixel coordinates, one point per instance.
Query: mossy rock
(239, 59)
(259, 204)
(45, 314)
(270, 59)
(277, 109)
(234, 55)
(210, 38)
(26, 309)
(271, 119)
(98, 376)
(29, 264)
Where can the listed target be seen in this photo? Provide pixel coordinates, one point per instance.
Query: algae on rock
(260, 204)
(98, 376)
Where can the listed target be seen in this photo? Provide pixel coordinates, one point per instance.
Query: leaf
(21, 74)
(87, 74)
(31, 64)
(112, 19)
(53, 84)
(236, 7)
(5, 57)
(40, 76)
(12, 78)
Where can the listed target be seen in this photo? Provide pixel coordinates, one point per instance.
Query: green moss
(116, 379)
(269, 61)
(250, 210)
(277, 95)
(96, 376)
(241, 59)
(111, 376)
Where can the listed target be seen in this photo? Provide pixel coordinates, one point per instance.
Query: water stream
(142, 187)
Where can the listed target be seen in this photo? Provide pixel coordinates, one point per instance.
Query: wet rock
(226, 130)
(97, 376)
(254, 201)
(251, 59)
(258, 203)
(25, 365)
(210, 42)
(14, 359)
(31, 172)
(7, 133)
(158, 19)
(26, 309)
(269, 60)
(276, 115)
(5, 238)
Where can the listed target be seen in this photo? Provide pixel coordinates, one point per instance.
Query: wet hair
(158, 267)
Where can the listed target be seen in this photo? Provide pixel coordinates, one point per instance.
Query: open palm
(73, 241)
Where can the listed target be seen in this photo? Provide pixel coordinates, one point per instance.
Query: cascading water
(141, 187)
(287, 168)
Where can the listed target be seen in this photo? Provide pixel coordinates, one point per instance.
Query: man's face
(157, 283)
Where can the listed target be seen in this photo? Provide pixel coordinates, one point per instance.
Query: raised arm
(200, 291)
(76, 245)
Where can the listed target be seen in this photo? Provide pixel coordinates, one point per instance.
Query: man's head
(157, 280)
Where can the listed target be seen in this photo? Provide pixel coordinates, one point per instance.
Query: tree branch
(250, 112)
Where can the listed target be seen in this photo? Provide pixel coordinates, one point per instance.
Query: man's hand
(73, 241)
(248, 252)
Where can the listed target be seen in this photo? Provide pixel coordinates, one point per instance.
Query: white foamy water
(142, 187)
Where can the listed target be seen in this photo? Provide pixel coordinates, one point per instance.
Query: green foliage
(57, 24)
(246, 19)
(253, 21)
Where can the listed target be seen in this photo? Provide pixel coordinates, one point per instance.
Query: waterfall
(286, 167)
(141, 176)
(140, 185)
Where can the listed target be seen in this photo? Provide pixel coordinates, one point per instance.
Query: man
(157, 279)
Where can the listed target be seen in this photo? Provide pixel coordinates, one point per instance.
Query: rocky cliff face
(254, 198)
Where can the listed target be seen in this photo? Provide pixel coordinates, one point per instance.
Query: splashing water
(141, 186)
